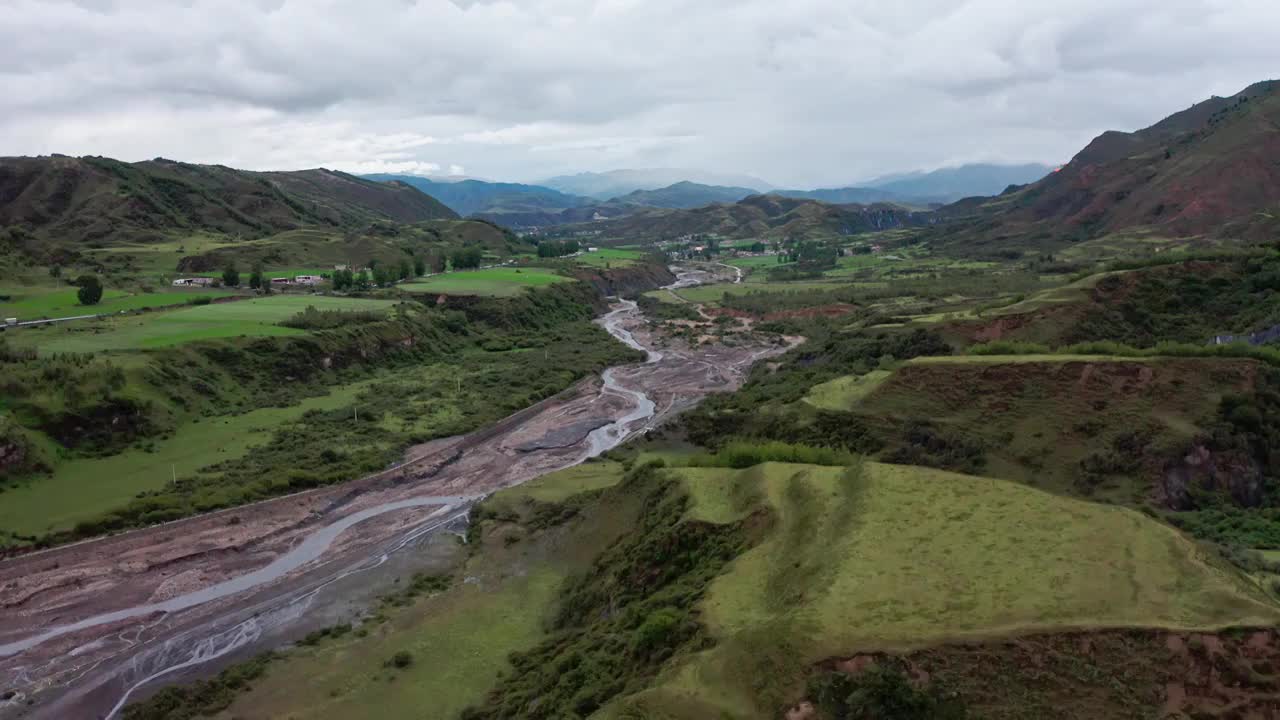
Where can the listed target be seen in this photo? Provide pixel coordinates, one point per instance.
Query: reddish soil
(1108, 674)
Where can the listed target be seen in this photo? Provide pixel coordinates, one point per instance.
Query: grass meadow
(887, 557)
(254, 317)
(53, 302)
(500, 281)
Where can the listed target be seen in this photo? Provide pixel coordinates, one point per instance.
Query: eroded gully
(74, 642)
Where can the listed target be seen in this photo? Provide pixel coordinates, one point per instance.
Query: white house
(308, 279)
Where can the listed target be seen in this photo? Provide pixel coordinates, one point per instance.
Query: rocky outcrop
(1201, 470)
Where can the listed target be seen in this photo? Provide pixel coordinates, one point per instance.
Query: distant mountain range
(615, 183)
(468, 197)
(523, 205)
(951, 184)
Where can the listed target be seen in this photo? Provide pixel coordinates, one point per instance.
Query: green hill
(55, 207)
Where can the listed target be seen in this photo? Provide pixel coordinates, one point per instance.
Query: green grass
(764, 262)
(256, 317)
(612, 257)
(37, 303)
(563, 484)
(1021, 359)
(894, 557)
(84, 488)
(502, 281)
(845, 392)
(459, 641)
(1038, 418)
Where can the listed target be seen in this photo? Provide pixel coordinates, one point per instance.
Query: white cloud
(809, 92)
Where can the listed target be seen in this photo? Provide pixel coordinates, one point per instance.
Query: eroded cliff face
(628, 280)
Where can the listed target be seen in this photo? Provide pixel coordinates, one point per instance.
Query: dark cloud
(806, 92)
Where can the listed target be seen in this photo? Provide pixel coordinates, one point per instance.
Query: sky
(802, 93)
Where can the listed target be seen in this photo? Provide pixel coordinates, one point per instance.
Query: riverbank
(87, 625)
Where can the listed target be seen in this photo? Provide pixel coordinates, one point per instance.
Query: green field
(460, 639)
(258, 316)
(563, 484)
(55, 302)
(893, 557)
(844, 392)
(83, 488)
(500, 281)
(611, 257)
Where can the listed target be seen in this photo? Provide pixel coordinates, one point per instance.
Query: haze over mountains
(557, 202)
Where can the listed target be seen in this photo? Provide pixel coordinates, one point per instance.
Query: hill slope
(1211, 169)
(70, 202)
(763, 216)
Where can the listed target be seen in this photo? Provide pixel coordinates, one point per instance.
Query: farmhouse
(308, 279)
(193, 281)
(281, 281)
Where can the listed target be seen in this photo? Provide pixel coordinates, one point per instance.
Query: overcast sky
(800, 93)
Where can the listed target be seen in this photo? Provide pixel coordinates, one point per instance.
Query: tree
(90, 292)
(256, 279)
(419, 266)
(467, 258)
(231, 276)
(55, 271)
(437, 261)
(406, 269)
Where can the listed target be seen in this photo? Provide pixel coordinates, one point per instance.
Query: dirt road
(88, 627)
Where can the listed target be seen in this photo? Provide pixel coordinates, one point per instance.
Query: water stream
(222, 635)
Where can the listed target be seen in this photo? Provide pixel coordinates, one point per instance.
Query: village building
(193, 282)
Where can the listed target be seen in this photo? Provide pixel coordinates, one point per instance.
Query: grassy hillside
(893, 557)
(767, 216)
(57, 206)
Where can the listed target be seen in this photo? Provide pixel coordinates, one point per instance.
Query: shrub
(400, 660)
(744, 454)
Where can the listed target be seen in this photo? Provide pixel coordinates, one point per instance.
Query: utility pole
(356, 410)
(173, 469)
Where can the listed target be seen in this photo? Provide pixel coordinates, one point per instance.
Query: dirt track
(85, 624)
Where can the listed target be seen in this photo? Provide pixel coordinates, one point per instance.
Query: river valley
(89, 627)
